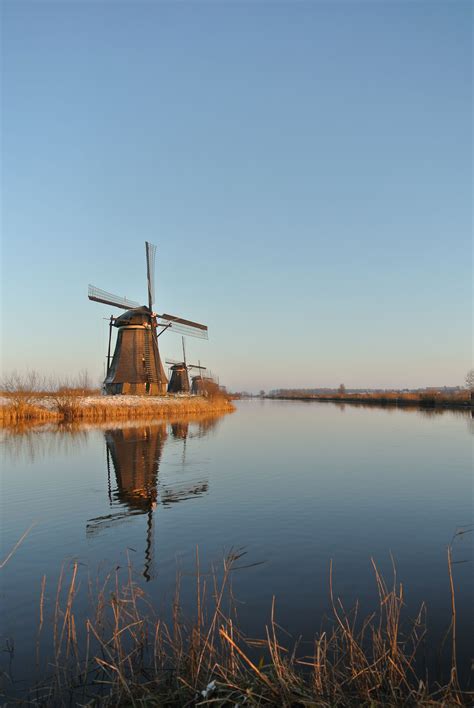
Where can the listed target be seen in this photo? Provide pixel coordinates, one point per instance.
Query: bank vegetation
(33, 398)
(432, 398)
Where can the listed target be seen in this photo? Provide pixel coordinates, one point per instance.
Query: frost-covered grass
(70, 406)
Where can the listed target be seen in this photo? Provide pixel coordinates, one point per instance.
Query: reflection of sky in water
(297, 484)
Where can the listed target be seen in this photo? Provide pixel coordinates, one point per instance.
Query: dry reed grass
(129, 656)
(31, 397)
(68, 407)
(11, 414)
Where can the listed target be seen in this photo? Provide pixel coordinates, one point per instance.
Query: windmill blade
(181, 326)
(184, 350)
(181, 492)
(150, 272)
(104, 522)
(99, 295)
(196, 366)
(173, 361)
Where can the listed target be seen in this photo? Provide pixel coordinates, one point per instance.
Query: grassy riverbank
(428, 399)
(73, 406)
(129, 656)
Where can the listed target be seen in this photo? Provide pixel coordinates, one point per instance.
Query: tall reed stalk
(129, 656)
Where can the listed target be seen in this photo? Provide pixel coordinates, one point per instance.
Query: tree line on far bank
(447, 395)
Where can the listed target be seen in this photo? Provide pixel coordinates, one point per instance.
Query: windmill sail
(150, 272)
(99, 295)
(182, 326)
(188, 366)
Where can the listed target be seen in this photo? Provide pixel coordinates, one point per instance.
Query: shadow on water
(133, 455)
(425, 412)
(133, 458)
(27, 439)
(29, 442)
(132, 469)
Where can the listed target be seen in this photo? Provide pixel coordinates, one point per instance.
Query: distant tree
(84, 381)
(22, 389)
(469, 380)
(341, 389)
(262, 393)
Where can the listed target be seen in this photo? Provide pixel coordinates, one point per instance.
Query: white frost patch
(112, 401)
(209, 690)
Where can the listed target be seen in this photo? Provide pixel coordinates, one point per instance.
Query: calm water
(295, 484)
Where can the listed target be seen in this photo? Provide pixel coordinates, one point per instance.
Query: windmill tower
(136, 367)
(179, 381)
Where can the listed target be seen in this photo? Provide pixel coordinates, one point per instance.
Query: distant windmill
(179, 381)
(136, 367)
(204, 385)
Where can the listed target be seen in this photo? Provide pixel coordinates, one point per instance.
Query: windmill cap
(137, 316)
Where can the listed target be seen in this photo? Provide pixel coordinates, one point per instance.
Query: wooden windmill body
(204, 386)
(179, 379)
(135, 367)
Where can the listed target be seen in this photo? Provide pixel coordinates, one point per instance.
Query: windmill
(204, 385)
(179, 381)
(136, 367)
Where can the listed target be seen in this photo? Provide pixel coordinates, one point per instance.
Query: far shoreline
(387, 400)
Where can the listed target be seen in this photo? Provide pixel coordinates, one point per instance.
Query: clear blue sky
(303, 167)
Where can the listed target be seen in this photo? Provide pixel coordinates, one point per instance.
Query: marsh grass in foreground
(124, 654)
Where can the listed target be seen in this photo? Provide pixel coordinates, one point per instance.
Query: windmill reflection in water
(134, 454)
